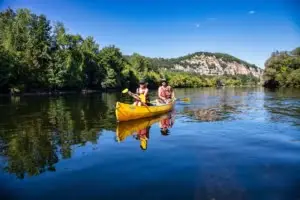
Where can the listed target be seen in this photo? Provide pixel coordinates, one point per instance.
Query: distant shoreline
(64, 92)
(57, 93)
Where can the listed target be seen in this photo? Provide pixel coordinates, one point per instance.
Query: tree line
(282, 69)
(37, 55)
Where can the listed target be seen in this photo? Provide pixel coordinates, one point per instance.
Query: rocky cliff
(206, 63)
(211, 65)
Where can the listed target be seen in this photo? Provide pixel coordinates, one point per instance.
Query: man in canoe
(143, 93)
(165, 93)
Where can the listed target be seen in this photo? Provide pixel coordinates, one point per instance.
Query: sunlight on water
(227, 143)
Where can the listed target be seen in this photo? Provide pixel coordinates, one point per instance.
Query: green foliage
(296, 51)
(184, 80)
(35, 56)
(153, 79)
(7, 65)
(140, 64)
(111, 59)
(282, 69)
(179, 79)
(46, 57)
(293, 79)
(130, 79)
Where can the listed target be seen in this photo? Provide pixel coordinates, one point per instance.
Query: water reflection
(38, 132)
(140, 128)
(208, 105)
(283, 105)
(252, 133)
(166, 123)
(217, 104)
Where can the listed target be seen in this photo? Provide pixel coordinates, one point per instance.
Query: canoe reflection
(140, 128)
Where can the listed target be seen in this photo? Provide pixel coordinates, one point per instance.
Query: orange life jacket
(166, 92)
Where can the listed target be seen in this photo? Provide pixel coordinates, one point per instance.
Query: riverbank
(89, 91)
(55, 93)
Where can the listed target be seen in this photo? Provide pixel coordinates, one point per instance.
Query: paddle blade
(142, 98)
(185, 99)
(125, 91)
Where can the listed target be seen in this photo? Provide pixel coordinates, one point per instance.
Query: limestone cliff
(216, 65)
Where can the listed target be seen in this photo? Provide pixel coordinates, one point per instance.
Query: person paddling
(143, 93)
(165, 92)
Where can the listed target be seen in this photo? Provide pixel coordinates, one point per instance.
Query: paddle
(141, 98)
(185, 99)
(126, 91)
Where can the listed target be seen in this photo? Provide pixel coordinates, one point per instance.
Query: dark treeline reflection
(36, 132)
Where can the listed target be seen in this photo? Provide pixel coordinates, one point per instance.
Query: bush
(282, 69)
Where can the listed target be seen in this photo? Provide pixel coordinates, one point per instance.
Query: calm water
(225, 144)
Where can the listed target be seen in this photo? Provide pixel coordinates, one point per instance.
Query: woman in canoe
(143, 93)
(165, 93)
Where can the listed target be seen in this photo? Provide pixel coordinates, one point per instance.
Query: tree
(282, 69)
(111, 59)
(140, 64)
(34, 56)
(94, 72)
(7, 65)
(296, 51)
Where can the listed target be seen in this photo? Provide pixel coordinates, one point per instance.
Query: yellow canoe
(126, 112)
(125, 129)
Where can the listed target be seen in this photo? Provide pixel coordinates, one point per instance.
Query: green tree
(296, 51)
(112, 60)
(93, 71)
(140, 64)
(282, 69)
(35, 57)
(7, 67)
(130, 78)
(293, 79)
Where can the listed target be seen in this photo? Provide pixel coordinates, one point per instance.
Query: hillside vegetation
(282, 69)
(38, 56)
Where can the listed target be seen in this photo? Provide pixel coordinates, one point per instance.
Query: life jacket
(142, 91)
(166, 92)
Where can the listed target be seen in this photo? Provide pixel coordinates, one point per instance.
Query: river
(227, 143)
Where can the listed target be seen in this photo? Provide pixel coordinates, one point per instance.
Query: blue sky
(249, 30)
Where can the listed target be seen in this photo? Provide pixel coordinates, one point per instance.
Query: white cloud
(251, 12)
